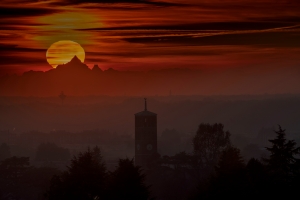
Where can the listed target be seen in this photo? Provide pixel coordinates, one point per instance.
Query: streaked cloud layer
(145, 34)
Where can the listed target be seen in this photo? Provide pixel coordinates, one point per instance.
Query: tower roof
(145, 112)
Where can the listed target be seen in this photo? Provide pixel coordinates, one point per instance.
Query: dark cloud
(9, 37)
(120, 7)
(284, 19)
(257, 25)
(7, 49)
(267, 33)
(149, 2)
(154, 52)
(13, 54)
(13, 2)
(254, 5)
(20, 60)
(103, 1)
(12, 22)
(16, 26)
(270, 39)
(6, 11)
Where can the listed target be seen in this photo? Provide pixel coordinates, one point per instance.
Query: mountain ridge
(76, 78)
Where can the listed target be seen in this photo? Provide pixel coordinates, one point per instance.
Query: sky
(142, 35)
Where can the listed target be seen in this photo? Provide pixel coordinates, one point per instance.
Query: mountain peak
(96, 68)
(74, 64)
(75, 59)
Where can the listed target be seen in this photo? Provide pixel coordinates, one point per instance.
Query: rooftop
(145, 112)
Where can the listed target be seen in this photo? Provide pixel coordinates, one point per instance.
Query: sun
(63, 51)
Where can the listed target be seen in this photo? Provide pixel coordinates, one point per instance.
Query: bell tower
(145, 137)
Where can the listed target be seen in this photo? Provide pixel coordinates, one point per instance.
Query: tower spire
(145, 104)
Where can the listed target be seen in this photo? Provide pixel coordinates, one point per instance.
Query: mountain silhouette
(74, 64)
(96, 68)
(76, 78)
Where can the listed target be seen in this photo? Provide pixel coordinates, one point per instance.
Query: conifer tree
(230, 161)
(229, 181)
(282, 161)
(84, 179)
(128, 182)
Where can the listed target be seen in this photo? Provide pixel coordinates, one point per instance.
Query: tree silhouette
(172, 179)
(84, 179)
(257, 178)
(282, 165)
(96, 153)
(231, 176)
(170, 148)
(208, 143)
(12, 173)
(52, 152)
(282, 160)
(4, 151)
(230, 180)
(180, 160)
(127, 182)
(230, 161)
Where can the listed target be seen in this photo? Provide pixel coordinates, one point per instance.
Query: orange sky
(145, 34)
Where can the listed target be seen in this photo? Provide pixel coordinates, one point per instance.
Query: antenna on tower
(145, 104)
(62, 96)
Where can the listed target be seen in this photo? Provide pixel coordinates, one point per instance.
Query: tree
(127, 182)
(231, 174)
(52, 152)
(12, 173)
(208, 143)
(282, 165)
(172, 179)
(4, 151)
(257, 179)
(282, 161)
(181, 160)
(230, 180)
(96, 153)
(230, 162)
(170, 148)
(37, 181)
(84, 179)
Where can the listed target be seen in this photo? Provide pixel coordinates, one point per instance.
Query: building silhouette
(145, 137)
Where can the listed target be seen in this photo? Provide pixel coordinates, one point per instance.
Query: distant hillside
(244, 115)
(76, 79)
